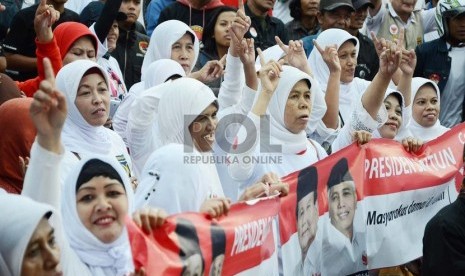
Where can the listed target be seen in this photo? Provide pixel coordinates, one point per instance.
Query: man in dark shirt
(19, 44)
(264, 28)
(367, 60)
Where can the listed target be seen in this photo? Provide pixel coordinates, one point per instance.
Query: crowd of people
(100, 110)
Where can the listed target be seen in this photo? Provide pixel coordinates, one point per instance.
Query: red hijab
(18, 133)
(69, 32)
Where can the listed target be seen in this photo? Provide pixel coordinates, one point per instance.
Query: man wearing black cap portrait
(344, 247)
(307, 222)
(332, 14)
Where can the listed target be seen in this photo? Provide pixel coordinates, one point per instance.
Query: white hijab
(318, 104)
(78, 135)
(348, 91)
(102, 259)
(290, 142)
(163, 37)
(182, 99)
(181, 102)
(160, 70)
(425, 133)
(403, 128)
(19, 218)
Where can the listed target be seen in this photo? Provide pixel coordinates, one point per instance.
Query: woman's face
(348, 58)
(102, 205)
(81, 49)
(112, 36)
(221, 33)
(426, 106)
(42, 256)
(203, 128)
(390, 129)
(183, 52)
(298, 107)
(309, 7)
(93, 99)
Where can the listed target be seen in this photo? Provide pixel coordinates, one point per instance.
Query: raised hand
(389, 60)
(238, 29)
(45, 17)
(48, 111)
(330, 57)
(149, 218)
(2, 7)
(247, 51)
(269, 73)
(380, 44)
(295, 53)
(212, 70)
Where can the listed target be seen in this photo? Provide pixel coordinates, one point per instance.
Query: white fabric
(158, 72)
(102, 259)
(454, 91)
(77, 5)
(19, 218)
(78, 135)
(182, 101)
(425, 133)
(281, 10)
(296, 150)
(42, 184)
(163, 37)
(233, 82)
(182, 185)
(349, 93)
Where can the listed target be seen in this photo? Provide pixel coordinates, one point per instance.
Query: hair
(398, 96)
(94, 70)
(296, 9)
(94, 168)
(218, 237)
(209, 42)
(307, 183)
(188, 241)
(426, 85)
(339, 173)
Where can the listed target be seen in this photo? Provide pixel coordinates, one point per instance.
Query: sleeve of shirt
(373, 23)
(153, 13)
(234, 79)
(429, 21)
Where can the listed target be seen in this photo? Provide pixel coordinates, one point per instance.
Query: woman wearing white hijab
(182, 186)
(141, 129)
(85, 85)
(287, 100)
(168, 38)
(351, 88)
(96, 198)
(425, 122)
(27, 239)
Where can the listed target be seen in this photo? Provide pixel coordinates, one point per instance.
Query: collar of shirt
(393, 13)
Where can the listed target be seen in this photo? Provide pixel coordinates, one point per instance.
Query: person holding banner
(425, 110)
(95, 200)
(344, 253)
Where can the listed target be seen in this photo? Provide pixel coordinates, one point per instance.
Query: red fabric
(18, 133)
(64, 36)
(211, 5)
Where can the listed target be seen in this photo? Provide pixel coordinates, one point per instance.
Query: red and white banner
(359, 209)
(243, 242)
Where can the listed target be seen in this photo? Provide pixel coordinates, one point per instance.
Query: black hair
(339, 173)
(307, 183)
(96, 167)
(218, 237)
(296, 9)
(209, 43)
(398, 97)
(188, 241)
